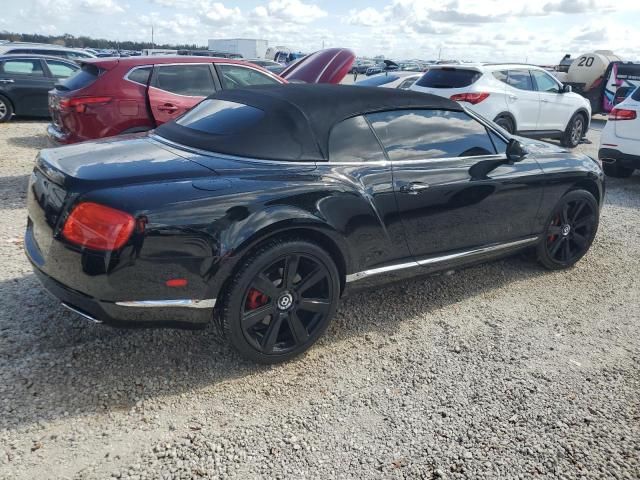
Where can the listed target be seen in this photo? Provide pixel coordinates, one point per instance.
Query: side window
(139, 75)
(236, 76)
(353, 141)
(23, 67)
(520, 79)
(544, 82)
(188, 80)
(406, 84)
(430, 134)
(502, 75)
(61, 69)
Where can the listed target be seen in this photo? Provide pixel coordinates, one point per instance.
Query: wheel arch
(590, 186)
(510, 116)
(582, 111)
(11, 103)
(312, 231)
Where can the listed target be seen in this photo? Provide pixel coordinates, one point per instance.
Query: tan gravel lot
(498, 371)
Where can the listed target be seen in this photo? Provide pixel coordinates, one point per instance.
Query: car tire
(506, 123)
(616, 171)
(570, 230)
(575, 131)
(6, 109)
(280, 301)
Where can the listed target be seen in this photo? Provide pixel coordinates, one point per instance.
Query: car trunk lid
(330, 65)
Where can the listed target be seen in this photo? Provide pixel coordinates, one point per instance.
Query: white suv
(620, 139)
(521, 99)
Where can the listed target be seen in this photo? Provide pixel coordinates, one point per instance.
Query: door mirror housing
(515, 151)
(566, 89)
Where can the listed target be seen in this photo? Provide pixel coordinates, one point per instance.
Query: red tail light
(622, 114)
(79, 104)
(98, 227)
(472, 98)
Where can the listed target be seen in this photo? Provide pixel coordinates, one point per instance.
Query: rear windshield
(84, 77)
(377, 81)
(219, 117)
(636, 94)
(448, 78)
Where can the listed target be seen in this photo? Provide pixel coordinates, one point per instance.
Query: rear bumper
(56, 136)
(611, 155)
(143, 314)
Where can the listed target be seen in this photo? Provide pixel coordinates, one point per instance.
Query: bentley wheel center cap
(285, 301)
(566, 229)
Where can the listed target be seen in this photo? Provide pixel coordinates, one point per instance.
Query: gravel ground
(498, 371)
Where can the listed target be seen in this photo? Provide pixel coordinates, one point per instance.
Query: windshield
(448, 78)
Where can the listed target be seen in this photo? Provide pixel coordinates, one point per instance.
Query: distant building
(247, 47)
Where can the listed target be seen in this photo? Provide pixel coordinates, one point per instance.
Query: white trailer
(247, 47)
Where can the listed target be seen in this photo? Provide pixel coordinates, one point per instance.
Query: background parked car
(401, 80)
(44, 49)
(25, 81)
(520, 98)
(620, 139)
(112, 96)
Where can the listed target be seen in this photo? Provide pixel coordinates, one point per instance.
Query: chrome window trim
(441, 259)
(185, 303)
(126, 77)
(166, 141)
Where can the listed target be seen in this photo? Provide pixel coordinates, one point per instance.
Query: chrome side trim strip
(82, 314)
(377, 271)
(169, 303)
(441, 259)
(477, 251)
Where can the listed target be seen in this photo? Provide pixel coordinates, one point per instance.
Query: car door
(176, 88)
(26, 82)
(454, 187)
(556, 108)
(362, 206)
(523, 100)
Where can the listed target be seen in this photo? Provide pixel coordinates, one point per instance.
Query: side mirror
(566, 89)
(515, 151)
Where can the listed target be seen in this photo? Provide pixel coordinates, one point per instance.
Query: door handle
(414, 188)
(6, 80)
(513, 97)
(168, 107)
(544, 100)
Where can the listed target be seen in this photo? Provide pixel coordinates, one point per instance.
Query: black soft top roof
(298, 118)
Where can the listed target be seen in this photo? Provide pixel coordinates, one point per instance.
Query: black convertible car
(259, 207)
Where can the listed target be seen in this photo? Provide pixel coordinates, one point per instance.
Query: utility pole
(152, 44)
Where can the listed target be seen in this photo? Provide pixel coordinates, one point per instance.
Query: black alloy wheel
(575, 131)
(282, 301)
(570, 230)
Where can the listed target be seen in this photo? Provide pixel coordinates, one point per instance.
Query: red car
(112, 96)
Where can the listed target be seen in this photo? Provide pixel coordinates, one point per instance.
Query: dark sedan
(25, 81)
(259, 207)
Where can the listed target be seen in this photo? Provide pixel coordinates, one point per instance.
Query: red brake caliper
(256, 299)
(555, 222)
